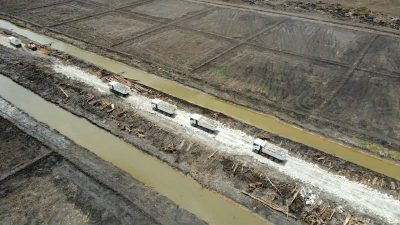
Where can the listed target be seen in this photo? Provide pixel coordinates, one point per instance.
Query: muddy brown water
(246, 115)
(183, 190)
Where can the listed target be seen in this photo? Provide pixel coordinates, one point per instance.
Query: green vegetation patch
(379, 149)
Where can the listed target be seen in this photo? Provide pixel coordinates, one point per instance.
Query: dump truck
(15, 42)
(264, 147)
(164, 107)
(119, 88)
(209, 125)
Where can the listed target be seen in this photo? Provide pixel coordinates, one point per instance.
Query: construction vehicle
(209, 125)
(264, 147)
(119, 88)
(164, 107)
(32, 46)
(15, 42)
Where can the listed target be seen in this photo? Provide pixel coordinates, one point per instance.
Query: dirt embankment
(385, 14)
(374, 131)
(55, 183)
(15, 152)
(228, 175)
(326, 161)
(51, 190)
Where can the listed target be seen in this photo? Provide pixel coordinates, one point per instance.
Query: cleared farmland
(307, 72)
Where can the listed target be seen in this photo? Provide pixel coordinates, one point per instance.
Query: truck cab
(194, 118)
(154, 103)
(15, 42)
(257, 145)
(270, 150)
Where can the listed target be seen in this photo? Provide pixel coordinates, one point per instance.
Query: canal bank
(251, 117)
(82, 93)
(47, 179)
(181, 189)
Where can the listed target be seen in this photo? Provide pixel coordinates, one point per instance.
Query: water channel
(241, 113)
(183, 190)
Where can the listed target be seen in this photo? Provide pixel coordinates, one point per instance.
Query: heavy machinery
(264, 147)
(15, 42)
(119, 88)
(209, 125)
(164, 107)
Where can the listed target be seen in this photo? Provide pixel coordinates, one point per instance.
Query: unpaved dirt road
(235, 142)
(303, 71)
(321, 76)
(227, 141)
(283, 132)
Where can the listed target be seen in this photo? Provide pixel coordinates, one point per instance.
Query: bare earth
(336, 80)
(39, 186)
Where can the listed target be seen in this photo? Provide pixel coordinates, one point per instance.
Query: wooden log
(269, 205)
(333, 212)
(62, 90)
(346, 221)
(236, 166)
(294, 197)
(212, 154)
(324, 207)
(273, 185)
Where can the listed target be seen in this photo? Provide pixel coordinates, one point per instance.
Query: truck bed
(274, 151)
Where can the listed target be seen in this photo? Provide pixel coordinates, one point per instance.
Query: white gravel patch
(78, 74)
